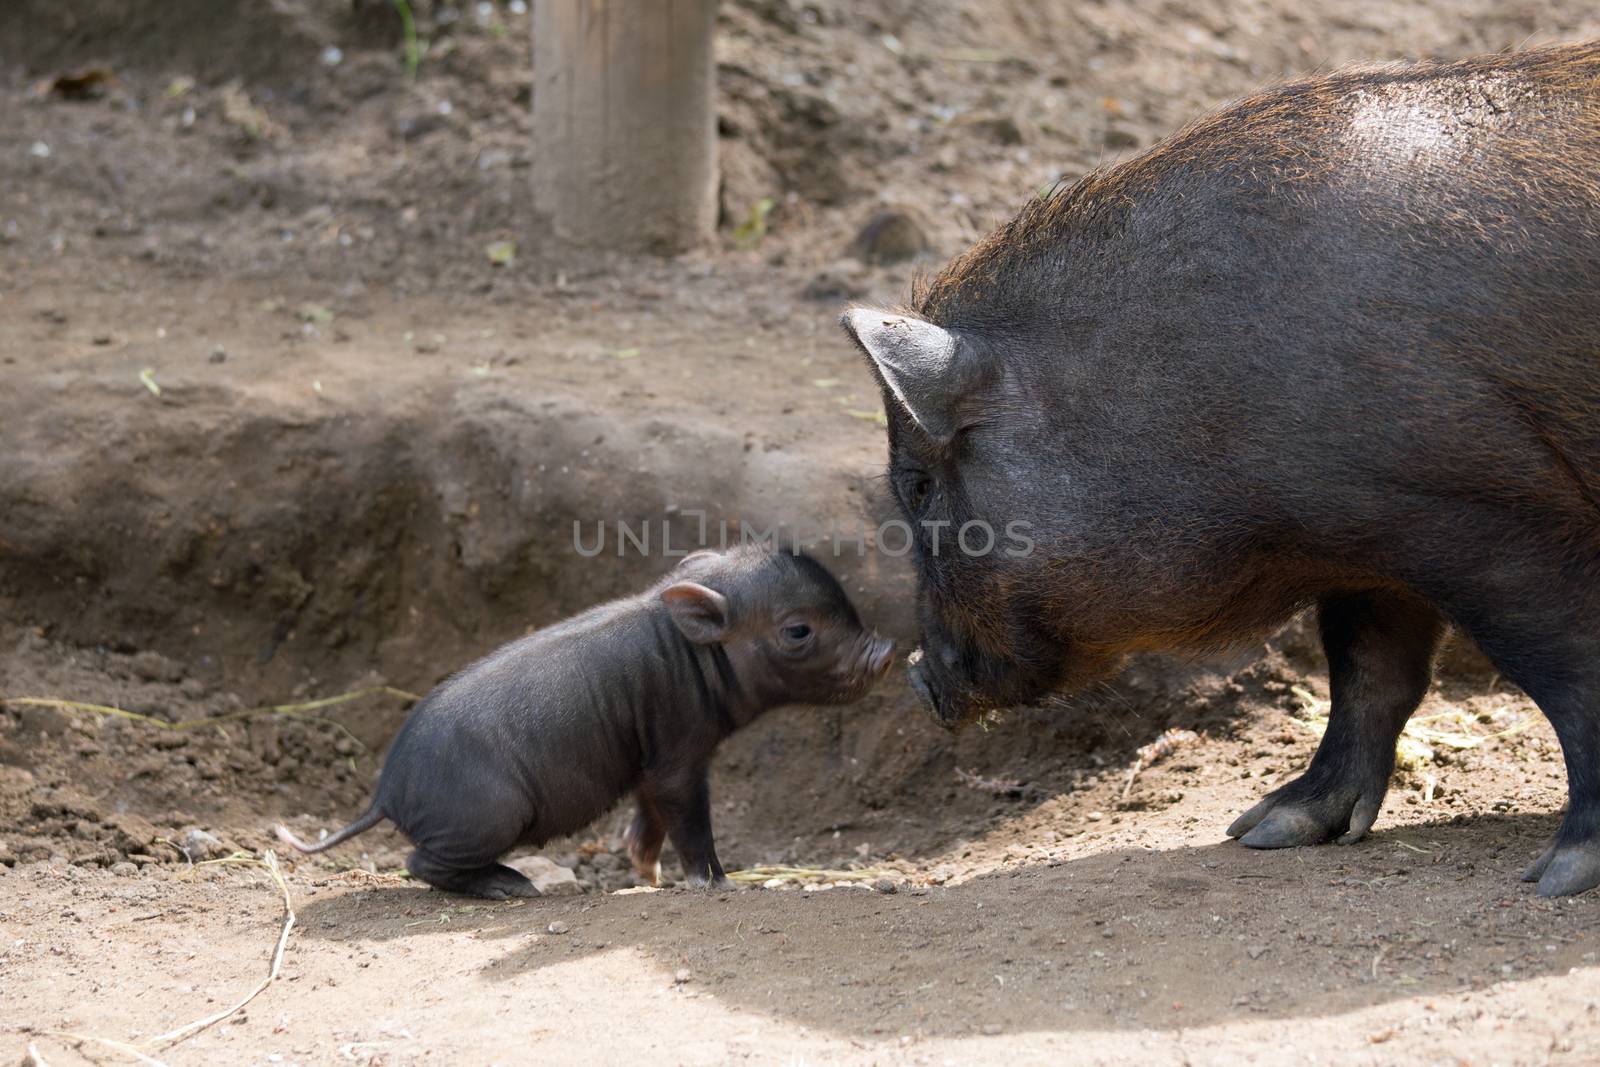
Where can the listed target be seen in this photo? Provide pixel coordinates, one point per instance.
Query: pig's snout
(917, 674)
(924, 683)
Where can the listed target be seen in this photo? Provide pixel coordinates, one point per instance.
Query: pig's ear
(696, 558)
(701, 614)
(930, 370)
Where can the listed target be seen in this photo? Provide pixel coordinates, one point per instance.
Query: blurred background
(341, 141)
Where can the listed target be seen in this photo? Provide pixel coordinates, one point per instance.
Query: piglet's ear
(931, 371)
(701, 614)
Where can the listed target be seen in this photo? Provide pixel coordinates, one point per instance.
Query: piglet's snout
(862, 663)
(879, 655)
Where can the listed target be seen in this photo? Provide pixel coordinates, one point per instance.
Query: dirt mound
(281, 526)
(96, 789)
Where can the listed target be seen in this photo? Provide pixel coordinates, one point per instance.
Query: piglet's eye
(798, 631)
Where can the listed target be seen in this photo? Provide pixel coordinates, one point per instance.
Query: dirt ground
(275, 426)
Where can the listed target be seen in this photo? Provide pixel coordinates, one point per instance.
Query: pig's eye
(917, 490)
(798, 631)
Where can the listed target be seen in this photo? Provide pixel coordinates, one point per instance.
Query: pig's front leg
(644, 835)
(684, 802)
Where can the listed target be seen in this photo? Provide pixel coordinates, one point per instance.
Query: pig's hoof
(1534, 870)
(1302, 814)
(1564, 871)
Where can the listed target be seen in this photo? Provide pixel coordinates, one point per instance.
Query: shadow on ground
(1126, 939)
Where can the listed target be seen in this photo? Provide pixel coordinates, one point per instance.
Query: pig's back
(1377, 287)
(1426, 276)
(536, 740)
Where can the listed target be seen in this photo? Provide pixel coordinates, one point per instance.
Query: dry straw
(291, 711)
(805, 874)
(269, 860)
(141, 1051)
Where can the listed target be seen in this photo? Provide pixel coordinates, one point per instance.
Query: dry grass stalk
(140, 1051)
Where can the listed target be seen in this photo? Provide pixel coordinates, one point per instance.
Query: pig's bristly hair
(1284, 140)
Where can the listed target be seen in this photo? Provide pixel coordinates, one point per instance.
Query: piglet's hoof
(711, 885)
(508, 886)
(650, 875)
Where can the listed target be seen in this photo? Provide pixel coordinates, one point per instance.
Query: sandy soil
(362, 468)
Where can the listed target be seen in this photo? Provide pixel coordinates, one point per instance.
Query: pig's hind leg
(1532, 604)
(1561, 672)
(1380, 650)
(456, 850)
(492, 881)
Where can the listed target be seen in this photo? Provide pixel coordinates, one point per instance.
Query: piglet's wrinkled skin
(542, 737)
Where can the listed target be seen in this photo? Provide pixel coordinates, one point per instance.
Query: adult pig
(539, 739)
(1338, 345)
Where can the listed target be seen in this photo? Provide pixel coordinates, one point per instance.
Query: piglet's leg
(492, 881)
(644, 836)
(685, 806)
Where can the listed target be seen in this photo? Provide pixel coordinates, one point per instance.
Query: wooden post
(624, 122)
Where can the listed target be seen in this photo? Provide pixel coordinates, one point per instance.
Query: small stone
(420, 124)
(891, 237)
(991, 1029)
(101, 339)
(1001, 129)
(557, 927)
(884, 885)
(203, 845)
(550, 879)
(1096, 816)
(218, 355)
(131, 833)
(1122, 137)
(124, 869)
(842, 280)
(154, 667)
(1255, 951)
(681, 976)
